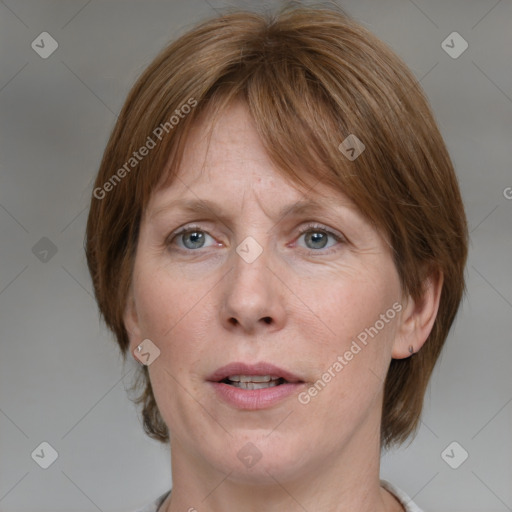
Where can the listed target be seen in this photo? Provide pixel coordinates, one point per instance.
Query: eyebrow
(206, 206)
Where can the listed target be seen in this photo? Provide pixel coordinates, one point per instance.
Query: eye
(192, 237)
(316, 237)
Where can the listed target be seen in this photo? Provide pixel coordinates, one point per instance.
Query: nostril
(267, 319)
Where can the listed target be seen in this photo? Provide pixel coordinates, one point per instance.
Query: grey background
(61, 378)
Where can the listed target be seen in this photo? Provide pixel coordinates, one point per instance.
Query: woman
(276, 233)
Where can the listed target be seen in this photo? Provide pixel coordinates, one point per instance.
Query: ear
(417, 318)
(131, 322)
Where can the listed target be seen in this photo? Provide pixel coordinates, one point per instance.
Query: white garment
(400, 495)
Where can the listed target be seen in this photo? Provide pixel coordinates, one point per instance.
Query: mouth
(254, 381)
(260, 375)
(254, 386)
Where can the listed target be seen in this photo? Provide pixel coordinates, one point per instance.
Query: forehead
(224, 157)
(227, 147)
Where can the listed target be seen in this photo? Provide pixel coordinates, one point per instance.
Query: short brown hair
(310, 77)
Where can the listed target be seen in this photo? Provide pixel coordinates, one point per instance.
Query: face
(241, 291)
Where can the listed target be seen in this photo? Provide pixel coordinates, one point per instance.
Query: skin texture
(299, 305)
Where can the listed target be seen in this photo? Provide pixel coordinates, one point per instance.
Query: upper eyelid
(318, 225)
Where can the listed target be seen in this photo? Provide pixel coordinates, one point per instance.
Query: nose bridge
(250, 250)
(251, 258)
(254, 226)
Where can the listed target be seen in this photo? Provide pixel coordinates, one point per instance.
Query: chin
(260, 460)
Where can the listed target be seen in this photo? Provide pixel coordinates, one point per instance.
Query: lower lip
(255, 398)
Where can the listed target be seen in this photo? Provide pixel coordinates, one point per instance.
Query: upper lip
(261, 368)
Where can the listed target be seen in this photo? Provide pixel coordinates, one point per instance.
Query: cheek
(346, 303)
(358, 322)
(174, 314)
(168, 318)
(163, 300)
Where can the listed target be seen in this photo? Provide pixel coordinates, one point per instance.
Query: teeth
(252, 378)
(255, 385)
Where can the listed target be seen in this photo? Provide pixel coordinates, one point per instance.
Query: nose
(253, 296)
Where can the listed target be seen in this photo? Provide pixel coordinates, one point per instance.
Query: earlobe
(417, 318)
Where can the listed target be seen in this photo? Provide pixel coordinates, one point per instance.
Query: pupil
(196, 238)
(315, 236)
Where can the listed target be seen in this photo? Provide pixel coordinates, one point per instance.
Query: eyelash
(309, 227)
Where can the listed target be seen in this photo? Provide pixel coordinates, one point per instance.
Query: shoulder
(154, 505)
(401, 496)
